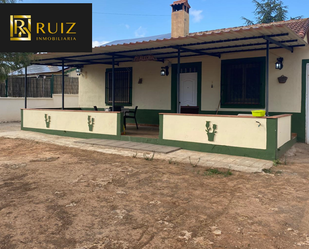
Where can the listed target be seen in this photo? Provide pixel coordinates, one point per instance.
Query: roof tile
(299, 26)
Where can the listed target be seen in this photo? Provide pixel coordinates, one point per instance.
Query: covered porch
(153, 75)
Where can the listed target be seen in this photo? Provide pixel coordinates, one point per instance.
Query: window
(243, 83)
(123, 86)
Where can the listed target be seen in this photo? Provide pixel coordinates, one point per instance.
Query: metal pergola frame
(177, 51)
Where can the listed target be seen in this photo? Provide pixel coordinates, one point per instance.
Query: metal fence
(38, 87)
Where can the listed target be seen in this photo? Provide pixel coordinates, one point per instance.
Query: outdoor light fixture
(78, 71)
(279, 64)
(164, 71)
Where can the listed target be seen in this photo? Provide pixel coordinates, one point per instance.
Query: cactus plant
(47, 121)
(90, 123)
(211, 135)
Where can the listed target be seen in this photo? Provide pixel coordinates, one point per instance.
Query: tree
(267, 11)
(11, 61)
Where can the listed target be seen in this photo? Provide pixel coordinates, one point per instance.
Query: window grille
(243, 82)
(123, 86)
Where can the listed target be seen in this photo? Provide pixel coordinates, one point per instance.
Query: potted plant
(211, 135)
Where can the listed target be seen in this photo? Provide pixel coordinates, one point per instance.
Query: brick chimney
(180, 18)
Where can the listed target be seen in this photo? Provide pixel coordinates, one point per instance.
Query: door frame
(198, 65)
(180, 87)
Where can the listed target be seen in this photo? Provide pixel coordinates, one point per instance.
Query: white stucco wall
(10, 107)
(155, 91)
(283, 131)
(73, 121)
(231, 131)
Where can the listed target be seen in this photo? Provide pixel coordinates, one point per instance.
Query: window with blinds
(123, 87)
(243, 83)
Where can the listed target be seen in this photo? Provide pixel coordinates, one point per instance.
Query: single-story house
(198, 88)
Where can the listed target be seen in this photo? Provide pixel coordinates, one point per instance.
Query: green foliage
(211, 172)
(267, 11)
(10, 62)
(148, 157)
(267, 171)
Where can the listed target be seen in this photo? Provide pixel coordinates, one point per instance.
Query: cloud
(197, 15)
(98, 43)
(127, 26)
(140, 32)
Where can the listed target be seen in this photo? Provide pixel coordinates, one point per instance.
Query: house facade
(222, 74)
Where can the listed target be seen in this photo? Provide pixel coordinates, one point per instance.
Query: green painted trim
(119, 123)
(198, 65)
(72, 134)
(269, 153)
(130, 86)
(21, 119)
(298, 120)
(271, 137)
(302, 117)
(225, 63)
(221, 149)
(160, 127)
(52, 86)
(151, 117)
(284, 148)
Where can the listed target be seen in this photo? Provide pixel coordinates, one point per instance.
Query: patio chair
(128, 114)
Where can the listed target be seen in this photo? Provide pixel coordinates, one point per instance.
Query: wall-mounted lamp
(279, 64)
(78, 71)
(164, 71)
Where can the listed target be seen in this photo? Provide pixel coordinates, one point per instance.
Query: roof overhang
(210, 44)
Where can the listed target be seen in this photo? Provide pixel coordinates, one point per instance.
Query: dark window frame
(108, 86)
(225, 67)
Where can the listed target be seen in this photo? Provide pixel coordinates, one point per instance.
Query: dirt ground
(61, 197)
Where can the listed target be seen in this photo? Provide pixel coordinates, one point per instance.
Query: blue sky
(124, 19)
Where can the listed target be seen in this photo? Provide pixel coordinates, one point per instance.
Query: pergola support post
(62, 84)
(178, 81)
(113, 83)
(267, 79)
(26, 87)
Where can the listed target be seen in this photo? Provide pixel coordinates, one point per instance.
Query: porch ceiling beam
(233, 51)
(81, 64)
(89, 62)
(132, 57)
(166, 47)
(120, 55)
(278, 43)
(245, 45)
(197, 51)
(257, 49)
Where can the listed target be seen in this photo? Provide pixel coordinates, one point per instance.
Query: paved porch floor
(244, 164)
(142, 131)
(130, 145)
